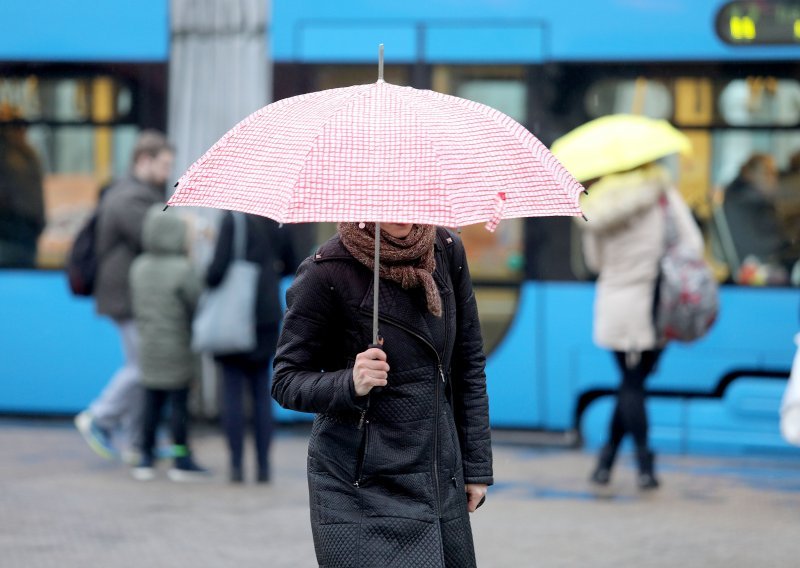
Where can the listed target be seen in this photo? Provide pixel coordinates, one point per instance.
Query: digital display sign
(760, 22)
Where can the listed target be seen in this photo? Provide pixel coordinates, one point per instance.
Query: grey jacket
(164, 293)
(119, 241)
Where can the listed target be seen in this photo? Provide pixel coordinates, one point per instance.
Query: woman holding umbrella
(623, 241)
(400, 450)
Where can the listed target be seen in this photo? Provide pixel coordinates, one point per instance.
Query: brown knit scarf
(408, 261)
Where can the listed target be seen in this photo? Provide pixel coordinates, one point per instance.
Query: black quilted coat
(386, 472)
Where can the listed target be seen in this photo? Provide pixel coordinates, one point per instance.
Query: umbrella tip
(586, 192)
(165, 207)
(380, 62)
(584, 217)
(176, 184)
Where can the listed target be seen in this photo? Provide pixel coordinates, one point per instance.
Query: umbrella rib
(435, 150)
(340, 109)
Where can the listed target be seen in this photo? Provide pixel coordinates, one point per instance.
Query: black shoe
(647, 478)
(263, 476)
(236, 475)
(605, 461)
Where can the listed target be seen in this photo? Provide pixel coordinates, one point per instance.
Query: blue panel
(84, 30)
(572, 361)
(578, 30)
(57, 354)
(745, 421)
(484, 43)
(355, 42)
(512, 371)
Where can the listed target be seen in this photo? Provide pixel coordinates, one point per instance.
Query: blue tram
(87, 77)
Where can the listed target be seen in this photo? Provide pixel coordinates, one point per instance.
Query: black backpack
(82, 262)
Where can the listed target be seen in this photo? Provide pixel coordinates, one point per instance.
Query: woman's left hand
(475, 492)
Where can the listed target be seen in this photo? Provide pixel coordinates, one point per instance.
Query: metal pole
(380, 62)
(375, 278)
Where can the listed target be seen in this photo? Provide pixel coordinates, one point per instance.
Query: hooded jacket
(386, 472)
(164, 292)
(623, 243)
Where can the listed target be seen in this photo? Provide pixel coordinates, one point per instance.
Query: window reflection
(639, 96)
(761, 101)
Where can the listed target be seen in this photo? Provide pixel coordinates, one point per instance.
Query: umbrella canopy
(617, 143)
(381, 153)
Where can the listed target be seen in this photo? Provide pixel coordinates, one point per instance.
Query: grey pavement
(62, 506)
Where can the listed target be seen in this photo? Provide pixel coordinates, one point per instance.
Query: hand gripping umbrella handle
(378, 345)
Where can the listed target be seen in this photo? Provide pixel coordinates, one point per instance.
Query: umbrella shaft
(375, 277)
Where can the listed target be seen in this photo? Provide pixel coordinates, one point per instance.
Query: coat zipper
(410, 331)
(363, 423)
(363, 453)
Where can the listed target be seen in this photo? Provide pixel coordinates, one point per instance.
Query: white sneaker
(144, 471)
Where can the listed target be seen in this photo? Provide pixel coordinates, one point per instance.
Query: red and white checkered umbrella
(380, 153)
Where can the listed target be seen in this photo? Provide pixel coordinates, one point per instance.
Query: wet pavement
(62, 506)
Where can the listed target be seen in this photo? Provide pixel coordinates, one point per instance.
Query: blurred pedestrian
(749, 209)
(164, 293)
(270, 248)
(119, 240)
(22, 217)
(392, 474)
(624, 241)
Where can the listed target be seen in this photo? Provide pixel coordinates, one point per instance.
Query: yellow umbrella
(617, 143)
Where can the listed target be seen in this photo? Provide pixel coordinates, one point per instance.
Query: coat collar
(616, 198)
(393, 304)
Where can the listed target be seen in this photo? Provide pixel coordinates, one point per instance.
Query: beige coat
(623, 242)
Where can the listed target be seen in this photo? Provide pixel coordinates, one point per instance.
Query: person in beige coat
(623, 243)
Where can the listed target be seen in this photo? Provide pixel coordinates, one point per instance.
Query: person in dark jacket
(392, 474)
(22, 217)
(750, 212)
(164, 293)
(119, 241)
(270, 247)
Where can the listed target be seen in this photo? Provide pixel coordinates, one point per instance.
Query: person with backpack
(624, 241)
(118, 241)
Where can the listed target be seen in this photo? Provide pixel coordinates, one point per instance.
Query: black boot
(647, 477)
(605, 461)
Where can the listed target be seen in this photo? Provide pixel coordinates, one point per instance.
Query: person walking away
(270, 247)
(623, 243)
(393, 475)
(22, 217)
(121, 213)
(164, 294)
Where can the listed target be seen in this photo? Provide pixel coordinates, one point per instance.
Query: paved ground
(61, 506)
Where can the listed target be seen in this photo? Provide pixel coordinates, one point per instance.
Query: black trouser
(630, 415)
(256, 380)
(155, 400)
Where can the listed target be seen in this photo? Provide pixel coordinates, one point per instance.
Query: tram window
(761, 101)
(81, 132)
(639, 96)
